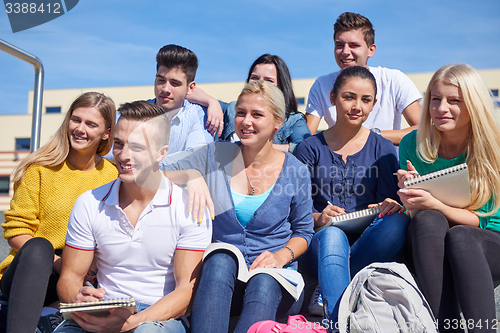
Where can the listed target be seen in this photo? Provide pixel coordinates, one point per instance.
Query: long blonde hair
(483, 143)
(57, 149)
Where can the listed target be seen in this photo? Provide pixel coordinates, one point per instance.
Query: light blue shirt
(245, 206)
(187, 131)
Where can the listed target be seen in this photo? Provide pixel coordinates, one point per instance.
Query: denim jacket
(292, 132)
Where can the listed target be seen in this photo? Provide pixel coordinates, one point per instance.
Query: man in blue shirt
(175, 72)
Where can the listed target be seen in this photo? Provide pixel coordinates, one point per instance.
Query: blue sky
(104, 43)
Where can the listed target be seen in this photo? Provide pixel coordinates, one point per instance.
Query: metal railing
(38, 90)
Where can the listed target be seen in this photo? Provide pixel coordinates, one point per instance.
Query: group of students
(133, 232)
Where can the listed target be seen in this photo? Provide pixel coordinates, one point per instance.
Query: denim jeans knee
(167, 326)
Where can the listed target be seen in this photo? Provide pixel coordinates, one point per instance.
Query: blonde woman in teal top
(455, 252)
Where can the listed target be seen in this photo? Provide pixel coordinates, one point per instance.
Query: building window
(4, 185)
(301, 101)
(23, 144)
(494, 92)
(53, 109)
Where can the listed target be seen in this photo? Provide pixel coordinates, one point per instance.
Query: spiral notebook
(354, 222)
(99, 308)
(450, 186)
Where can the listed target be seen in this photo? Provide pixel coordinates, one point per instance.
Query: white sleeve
(79, 234)
(315, 101)
(405, 91)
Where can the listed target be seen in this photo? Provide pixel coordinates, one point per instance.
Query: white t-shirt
(395, 91)
(136, 262)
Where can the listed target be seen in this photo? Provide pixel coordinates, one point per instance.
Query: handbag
(295, 324)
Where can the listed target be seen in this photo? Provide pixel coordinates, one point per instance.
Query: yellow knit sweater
(42, 203)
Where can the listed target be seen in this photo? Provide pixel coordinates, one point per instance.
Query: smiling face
(171, 88)
(86, 129)
(266, 72)
(254, 121)
(354, 101)
(136, 151)
(351, 49)
(447, 109)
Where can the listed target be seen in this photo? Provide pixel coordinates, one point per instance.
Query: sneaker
(316, 305)
(47, 324)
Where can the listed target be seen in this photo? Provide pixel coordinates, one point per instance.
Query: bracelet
(291, 252)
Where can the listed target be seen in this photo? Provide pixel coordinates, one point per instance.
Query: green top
(408, 151)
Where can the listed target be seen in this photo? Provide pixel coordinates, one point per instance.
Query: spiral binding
(436, 174)
(117, 302)
(357, 214)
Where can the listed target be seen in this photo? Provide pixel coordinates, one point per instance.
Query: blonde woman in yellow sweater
(47, 184)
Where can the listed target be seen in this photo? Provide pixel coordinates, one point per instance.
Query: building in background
(16, 129)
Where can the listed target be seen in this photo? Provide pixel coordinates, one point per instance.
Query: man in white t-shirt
(354, 39)
(140, 232)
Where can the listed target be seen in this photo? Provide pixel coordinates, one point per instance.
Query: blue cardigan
(286, 213)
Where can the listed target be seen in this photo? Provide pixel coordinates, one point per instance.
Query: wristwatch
(376, 130)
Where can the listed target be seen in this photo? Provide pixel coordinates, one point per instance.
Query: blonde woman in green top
(455, 252)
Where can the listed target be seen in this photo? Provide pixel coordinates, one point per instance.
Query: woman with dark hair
(351, 169)
(47, 184)
(273, 69)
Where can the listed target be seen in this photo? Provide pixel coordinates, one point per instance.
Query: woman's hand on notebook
(404, 175)
(418, 199)
(327, 213)
(388, 206)
(267, 260)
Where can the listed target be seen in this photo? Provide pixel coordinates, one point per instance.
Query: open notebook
(290, 279)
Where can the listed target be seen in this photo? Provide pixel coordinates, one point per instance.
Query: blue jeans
(219, 295)
(153, 326)
(337, 261)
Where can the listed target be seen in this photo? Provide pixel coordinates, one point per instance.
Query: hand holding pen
(89, 293)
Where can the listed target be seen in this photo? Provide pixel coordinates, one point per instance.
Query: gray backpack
(384, 298)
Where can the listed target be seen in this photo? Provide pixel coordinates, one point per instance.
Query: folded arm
(412, 115)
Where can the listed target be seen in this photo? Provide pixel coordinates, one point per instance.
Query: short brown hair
(175, 56)
(352, 21)
(145, 111)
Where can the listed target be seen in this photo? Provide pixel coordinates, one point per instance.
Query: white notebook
(98, 308)
(355, 221)
(450, 186)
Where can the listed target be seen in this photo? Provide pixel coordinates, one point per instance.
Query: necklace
(252, 191)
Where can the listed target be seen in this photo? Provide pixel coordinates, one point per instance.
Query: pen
(328, 202)
(412, 171)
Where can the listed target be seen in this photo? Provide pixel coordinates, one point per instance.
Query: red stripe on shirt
(171, 190)
(77, 248)
(196, 250)
(107, 194)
